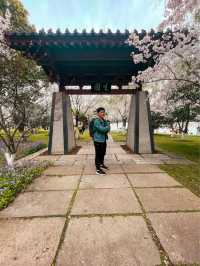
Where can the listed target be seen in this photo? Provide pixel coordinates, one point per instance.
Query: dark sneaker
(104, 167)
(100, 172)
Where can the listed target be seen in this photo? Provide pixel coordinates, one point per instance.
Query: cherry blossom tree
(172, 54)
(180, 12)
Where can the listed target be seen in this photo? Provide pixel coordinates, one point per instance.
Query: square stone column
(61, 134)
(140, 135)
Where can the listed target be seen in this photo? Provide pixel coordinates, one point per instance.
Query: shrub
(34, 148)
(12, 182)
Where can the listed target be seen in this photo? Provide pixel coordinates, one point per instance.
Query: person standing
(101, 127)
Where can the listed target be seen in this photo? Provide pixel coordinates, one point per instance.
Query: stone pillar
(61, 135)
(140, 137)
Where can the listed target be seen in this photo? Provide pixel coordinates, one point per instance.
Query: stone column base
(61, 135)
(140, 137)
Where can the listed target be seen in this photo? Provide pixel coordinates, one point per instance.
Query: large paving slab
(63, 170)
(127, 161)
(168, 199)
(64, 163)
(108, 181)
(54, 183)
(113, 169)
(91, 162)
(116, 150)
(105, 201)
(47, 158)
(142, 168)
(179, 234)
(178, 161)
(71, 157)
(30, 242)
(128, 156)
(152, 180)
(39, 204)
(89, 169)
(107, 156)
(150, 161)
(108, 241)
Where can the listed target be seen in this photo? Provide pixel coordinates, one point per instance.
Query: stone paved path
(135, 215)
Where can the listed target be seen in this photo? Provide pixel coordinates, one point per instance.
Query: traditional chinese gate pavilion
(99, 60)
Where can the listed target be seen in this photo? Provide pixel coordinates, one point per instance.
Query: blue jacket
(100, 130)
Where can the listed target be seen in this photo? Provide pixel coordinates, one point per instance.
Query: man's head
(101, 112)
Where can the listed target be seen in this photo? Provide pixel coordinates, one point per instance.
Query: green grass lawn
(41, 136)
(188, 147)
(119, 136)
(85, 137)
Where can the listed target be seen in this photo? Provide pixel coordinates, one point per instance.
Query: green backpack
(91, 127)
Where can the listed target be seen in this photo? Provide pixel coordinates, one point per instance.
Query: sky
(97, 14)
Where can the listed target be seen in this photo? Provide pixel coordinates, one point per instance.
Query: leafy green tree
(19, 15)
(157, 120)
(184, 105)
(21, 82)
(20, 89)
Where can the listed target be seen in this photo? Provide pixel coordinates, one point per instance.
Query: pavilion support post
(140, 135)
(61, 134)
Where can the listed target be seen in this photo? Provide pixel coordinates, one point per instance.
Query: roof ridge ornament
(42, 32)
(50, 32)
(67, 31)
(126, 31)
(58, 32)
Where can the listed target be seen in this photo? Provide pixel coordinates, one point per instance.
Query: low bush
(12, 182)
(36, 146)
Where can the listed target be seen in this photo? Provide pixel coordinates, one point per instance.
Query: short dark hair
(100, 109)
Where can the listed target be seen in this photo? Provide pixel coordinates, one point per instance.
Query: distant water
(193, 128)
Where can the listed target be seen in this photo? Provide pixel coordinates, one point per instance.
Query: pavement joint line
(90, 215)
(67, 216)
(188, 264)
(178, 186)
(116, 157)
(163, 254)
(143, 172)
(48, 190)
(34, 217)
(61, 175)
(149, 173)
(174, 211)
(101, 188)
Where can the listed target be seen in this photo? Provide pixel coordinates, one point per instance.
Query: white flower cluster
(4, 26)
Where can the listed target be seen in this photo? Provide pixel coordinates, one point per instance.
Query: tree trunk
(10, 160)
(77, 120)
(124, 122)
(186, 127)
(188, 120)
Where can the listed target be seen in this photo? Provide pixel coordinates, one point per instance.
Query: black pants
(100, 151)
